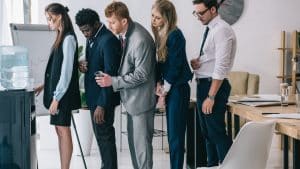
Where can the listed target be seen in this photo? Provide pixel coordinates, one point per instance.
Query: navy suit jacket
(175, 70)
(103, 52)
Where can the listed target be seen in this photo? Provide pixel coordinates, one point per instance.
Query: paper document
(285, 116)
(260, 104)
(256, 98)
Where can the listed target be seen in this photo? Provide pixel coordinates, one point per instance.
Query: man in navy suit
(103, 53)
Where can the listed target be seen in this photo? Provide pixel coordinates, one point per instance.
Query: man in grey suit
(135, 81)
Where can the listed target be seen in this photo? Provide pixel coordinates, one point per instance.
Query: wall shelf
(289, 68)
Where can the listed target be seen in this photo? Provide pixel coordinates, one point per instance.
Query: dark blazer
(71, 99)
(104, 55)
(175, 70)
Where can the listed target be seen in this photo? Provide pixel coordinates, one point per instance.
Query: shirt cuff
(218, 77)
(56, 98)
(115, 84)
(167, 86)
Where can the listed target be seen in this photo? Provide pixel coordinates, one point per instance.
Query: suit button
(47, 75)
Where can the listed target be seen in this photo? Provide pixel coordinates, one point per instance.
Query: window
(11, 11)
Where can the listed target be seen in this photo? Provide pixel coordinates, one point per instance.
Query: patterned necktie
(203, 41)
(123, 42)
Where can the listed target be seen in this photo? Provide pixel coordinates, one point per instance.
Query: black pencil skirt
(61, 118)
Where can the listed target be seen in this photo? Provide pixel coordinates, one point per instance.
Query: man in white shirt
(211, 69)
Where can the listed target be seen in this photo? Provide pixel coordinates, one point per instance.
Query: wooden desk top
(290, 127)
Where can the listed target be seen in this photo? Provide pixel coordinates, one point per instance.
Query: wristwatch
(211, 97)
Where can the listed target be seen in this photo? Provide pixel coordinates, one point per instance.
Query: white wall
(258, 31)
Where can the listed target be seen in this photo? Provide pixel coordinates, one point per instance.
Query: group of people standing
(139, 72)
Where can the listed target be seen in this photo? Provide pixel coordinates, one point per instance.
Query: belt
(202, 80)
(207, 79)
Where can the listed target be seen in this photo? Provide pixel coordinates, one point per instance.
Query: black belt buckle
(201, 80)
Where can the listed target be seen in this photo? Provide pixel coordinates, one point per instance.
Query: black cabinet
(17, 130)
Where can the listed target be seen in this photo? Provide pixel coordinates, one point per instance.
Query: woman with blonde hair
(173, 76)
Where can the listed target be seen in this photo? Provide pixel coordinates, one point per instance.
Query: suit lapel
(128, 33)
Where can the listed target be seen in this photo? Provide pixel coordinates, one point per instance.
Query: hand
(161, 103)
(195, 63)
(99, 115)
(104, 81)
(83, 66)
(53, 107)
(37, 90)
(207, 106)
(158, 89)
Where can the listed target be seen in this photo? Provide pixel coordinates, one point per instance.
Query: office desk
(286, 127)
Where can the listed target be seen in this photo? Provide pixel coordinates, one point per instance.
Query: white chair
(250, 149)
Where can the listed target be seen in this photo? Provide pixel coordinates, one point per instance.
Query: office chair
(250, 149)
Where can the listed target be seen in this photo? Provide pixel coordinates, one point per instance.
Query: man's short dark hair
(86, 16)
(208, 3)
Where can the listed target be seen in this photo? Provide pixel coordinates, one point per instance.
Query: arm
(176, 54)
(112, 57)
(144, 63)
(38, 89)
(176, 51)
(224, 41)
(69, 48)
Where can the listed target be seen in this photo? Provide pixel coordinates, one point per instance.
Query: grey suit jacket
(136, 78)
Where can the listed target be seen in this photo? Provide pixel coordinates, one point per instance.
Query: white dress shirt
(91, 41)
(219, 51)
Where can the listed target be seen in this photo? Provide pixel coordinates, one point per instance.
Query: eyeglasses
(199, 14)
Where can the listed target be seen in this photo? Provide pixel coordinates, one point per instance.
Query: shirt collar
(99, 30)
(91, 40)
(123, 35)
(214, 22)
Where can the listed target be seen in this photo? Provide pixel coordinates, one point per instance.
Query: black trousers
(177, 108)
(213, 125)
(106, 139)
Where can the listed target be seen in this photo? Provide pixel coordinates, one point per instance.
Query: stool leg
(76, 133)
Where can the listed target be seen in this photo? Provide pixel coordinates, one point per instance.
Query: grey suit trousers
(140, 130)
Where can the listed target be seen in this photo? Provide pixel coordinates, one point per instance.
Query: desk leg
(296, 161)
(285, 152)
(229, 124)
(236, 124)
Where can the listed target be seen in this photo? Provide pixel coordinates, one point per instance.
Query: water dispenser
(14, 71)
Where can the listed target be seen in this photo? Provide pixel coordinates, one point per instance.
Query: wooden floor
(49, 159)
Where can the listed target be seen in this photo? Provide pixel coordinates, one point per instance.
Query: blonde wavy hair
(168, 13)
